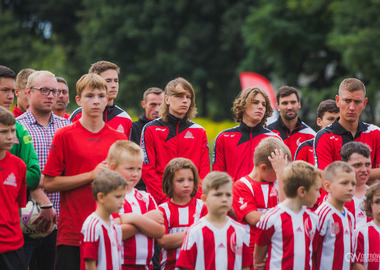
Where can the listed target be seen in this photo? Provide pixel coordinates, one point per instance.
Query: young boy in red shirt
(256, 193)
(77, 155)
(12, 196)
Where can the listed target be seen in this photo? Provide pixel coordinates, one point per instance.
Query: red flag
(251, 79)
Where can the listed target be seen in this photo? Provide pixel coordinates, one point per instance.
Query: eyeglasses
(46, 91)
(7, 91)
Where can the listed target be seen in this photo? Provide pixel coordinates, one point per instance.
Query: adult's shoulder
(121, 112)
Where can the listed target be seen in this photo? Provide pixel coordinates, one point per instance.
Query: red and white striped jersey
(138, 250)
(178, 218)
(208, 247)
(289, 236)
(101, 243)
(356, 207)
(333, 239)
(250, 195)
(367, 246)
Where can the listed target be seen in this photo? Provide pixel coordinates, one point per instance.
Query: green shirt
(24, 149)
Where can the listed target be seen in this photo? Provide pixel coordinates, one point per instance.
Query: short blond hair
(299, 174)
(120, 149)
(92, 81)
(22, 77)
(214, 180)
(245, 98)
(171, 90)
(334, 168)
(107, 181)
(101, 66)
(33, 77)
(266, 147)
(351, 85)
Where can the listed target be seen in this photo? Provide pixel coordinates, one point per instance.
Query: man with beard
(288, 125)
(60, 106)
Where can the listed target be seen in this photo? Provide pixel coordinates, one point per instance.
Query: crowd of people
(141, 195)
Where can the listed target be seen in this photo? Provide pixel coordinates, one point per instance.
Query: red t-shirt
(12, 197)
(76, 150)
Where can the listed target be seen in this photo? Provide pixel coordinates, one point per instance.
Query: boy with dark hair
(12, 196)
(113, 115)
(101, 247)
(216, 241)
(327, 112)
(77, 155)
(333, 238)
(256, 193)
(357, 155)
(287, 230)
(288, 125)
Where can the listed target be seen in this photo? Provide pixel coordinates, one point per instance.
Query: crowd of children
(279, 215)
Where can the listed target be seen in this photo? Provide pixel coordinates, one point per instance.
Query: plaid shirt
(42, 139)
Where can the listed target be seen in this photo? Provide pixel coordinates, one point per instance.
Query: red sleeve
(129, 128)
(219, 160)
(204, 164)
(264, 236)
(323, 151)
(359, 249)
(317, 249)
(304, 154)
(149, 172)
(152, 203)
(247, 257)
(75, 117)
(89, 250)
(376, 162)
(55, 162)
(166, 223)
(187, 257)
(204, 211)
(21, 198)
(243, 200)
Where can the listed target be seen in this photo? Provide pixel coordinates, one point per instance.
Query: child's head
(126, 158)
(327, 112)
(262, 151)
(372, 201)
(358, 156)
(302, 180)
(217, 192)
(180, 169)
(340, 181)
(108, 189)
(7, 129)
(90, 81)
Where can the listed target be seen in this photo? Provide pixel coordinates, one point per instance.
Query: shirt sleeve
(55, 162)
(218, 157)
(243, 200)
(90, 244)
(247, 259)
(205, 162)
(21, 198)
(149, 171)
(188, 254)
(264, 233)
(358, 248)
(323, 151)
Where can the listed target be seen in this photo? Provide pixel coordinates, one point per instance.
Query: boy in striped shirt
(332, 243)
(286, 232)
(101, 247)
(216, 241)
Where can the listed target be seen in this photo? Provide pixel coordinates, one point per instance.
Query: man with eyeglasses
(60, 106)
(42, 91)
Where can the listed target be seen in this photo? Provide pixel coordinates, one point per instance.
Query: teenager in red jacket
(173, 135)
(234, 147)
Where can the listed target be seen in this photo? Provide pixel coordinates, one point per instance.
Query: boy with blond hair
(101, 247)
(142, 221)
(256, 193)
(77, 155)
(287, 230)
(332, 241)
(216, 241)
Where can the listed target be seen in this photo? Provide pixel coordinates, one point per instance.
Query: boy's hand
(279, 161)
(155, 215)
(102, 165)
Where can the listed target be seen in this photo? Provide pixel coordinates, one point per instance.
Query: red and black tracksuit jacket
(329, 142)
(293, 138)
(234, 148)
(305, 152)
(162, 141)
(114, 116)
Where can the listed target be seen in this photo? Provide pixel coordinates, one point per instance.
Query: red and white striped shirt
(101, 243)
(356, 207)
(178, 218)
(333, 239)
(367, 246)
(138, 250)
(208, 247)
(289, 236)
(250, 195)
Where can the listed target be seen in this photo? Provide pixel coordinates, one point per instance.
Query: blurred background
(309, 44)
